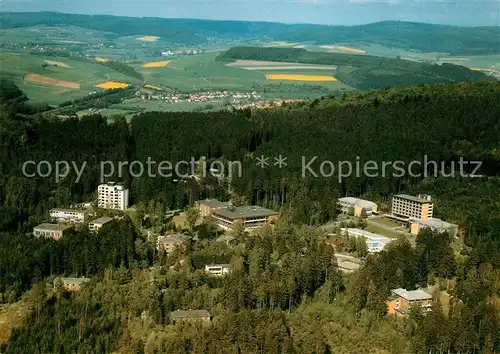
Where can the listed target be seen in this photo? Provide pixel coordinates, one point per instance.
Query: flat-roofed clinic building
(112, 196)
(202, 316)
(435, 224)
(54, 231)
(406, 206)
(67, 215)
(217, 269)
(170, 242)
(251, 217)
(374, 242)
(358, 205)
(401, 299)
(97, 224)
(207, 205)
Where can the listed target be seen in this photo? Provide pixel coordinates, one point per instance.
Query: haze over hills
(417, 36)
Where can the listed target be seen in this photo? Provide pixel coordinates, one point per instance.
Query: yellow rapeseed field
(300, 77)
(101, 60)
(112, 85)
(148, 38)
(156, 64)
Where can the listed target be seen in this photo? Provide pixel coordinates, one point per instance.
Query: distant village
(236, 100)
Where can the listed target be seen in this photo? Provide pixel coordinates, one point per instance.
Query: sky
(330, 12)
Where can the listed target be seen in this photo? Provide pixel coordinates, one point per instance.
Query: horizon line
(253, 21)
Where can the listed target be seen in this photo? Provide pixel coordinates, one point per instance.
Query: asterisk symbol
(262, 161)
(280, 161)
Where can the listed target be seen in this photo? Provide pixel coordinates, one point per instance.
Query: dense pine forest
(285, 293)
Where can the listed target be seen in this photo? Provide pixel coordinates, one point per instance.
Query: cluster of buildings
(111, 196)
(263, 104)
(418, 212)
(227, 216)
(207, 96)
(169, 52)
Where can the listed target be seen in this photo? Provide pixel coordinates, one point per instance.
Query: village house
(401, 300)
(202, 316)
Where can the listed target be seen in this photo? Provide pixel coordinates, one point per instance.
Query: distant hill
(408, 35)
(364, 71)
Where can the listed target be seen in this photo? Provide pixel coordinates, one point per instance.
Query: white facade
(217, 269)
(375, 243)
(67, 215)
(112, 196)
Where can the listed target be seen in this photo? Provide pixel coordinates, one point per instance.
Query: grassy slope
(86, 72)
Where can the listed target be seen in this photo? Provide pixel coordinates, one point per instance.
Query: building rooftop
(356, 201)
(190, 314)
(419, 199)
(368, 235)
(53, 227)
(177, 238)
(67, 210)
(102, 220)
(225, 238)
(253, 211)
(217, 265)
(74, 281)
(433, 222)
(213, 203)
(412, 295)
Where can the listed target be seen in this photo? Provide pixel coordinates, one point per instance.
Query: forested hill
(285, 292)
(418, 36)
(370, 72)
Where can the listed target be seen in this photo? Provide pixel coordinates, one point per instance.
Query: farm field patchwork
(112, 85)
(295, 77)
(156, 64)
(44, 80)
(342, 48)
(148, 38)
(273, 65)
(57, 63)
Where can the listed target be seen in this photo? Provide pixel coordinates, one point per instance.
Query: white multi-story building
(67, 215)
(217, 269)
(112, 196)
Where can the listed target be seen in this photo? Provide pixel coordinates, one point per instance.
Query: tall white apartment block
(112, 196)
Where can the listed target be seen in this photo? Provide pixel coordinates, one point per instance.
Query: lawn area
(381, 229)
